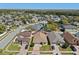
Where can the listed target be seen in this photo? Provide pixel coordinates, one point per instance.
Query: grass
(30, 48)
(63, 49)
(46, 53)
(67, 53)
(8, 53)
(46, 48)
(14, 47)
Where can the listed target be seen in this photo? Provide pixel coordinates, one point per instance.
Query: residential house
(77, 34)
(34, 19)
(70, 39)
(69, 28)
(54, 38)
(40, 38)
(24, 37)
(56, 18)
(37, 26)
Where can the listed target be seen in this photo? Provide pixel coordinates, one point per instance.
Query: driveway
(56, 50)
(23, 51)
(77, 52)
(36, 49)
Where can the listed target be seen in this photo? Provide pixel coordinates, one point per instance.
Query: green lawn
(46, 53)
(8, 53)
(46, 48)
(67, 49)
(67, 53)
(14, 47)
(30, 48)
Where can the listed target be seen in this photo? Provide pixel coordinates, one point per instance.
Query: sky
(39, 5)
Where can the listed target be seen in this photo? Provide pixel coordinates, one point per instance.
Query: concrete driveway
(23, 51)
(77, 52)
(36, 49)
(56, 50)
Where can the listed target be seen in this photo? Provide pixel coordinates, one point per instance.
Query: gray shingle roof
(55, 37)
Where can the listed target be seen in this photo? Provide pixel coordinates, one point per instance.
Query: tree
(52, 26)
(76, 18)
(64, 21)
(65, 45)
(2, 28)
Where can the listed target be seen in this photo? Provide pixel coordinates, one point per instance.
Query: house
(54, 38)
(24, 37)
(40, 38)
(37, 26)
(55, 18)
(70, 39)
(69, 28)
(34, 19)
(77, 34)
(76, 24)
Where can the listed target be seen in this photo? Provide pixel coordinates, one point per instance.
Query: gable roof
(24, 36)
(55, 37)
(68, 26)
(39, 37)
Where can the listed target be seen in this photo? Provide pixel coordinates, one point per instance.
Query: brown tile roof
(39, 37)
(24, 36)
(71, 39)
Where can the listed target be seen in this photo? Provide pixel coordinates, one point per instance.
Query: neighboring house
(40, 38)
(77, 34)
(56, 18)
(37, 26)
(34, 19)
(69, 28)
(18, 23)
(76, 23)
(70, 39)
(24, 37)
(54, 38)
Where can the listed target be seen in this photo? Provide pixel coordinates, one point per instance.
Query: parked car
(73, 48)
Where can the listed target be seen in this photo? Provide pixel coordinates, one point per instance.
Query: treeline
(71, 12)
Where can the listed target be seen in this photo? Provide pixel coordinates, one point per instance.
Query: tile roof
(24, 36)
(40, 37)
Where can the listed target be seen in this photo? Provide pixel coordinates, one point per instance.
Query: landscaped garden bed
(65, 49)
(46, 48)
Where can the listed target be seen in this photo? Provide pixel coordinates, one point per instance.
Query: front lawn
(63, 49)
(30, 48)
(14, 47)
(46, 48)
(46, 53)
(8, 53)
